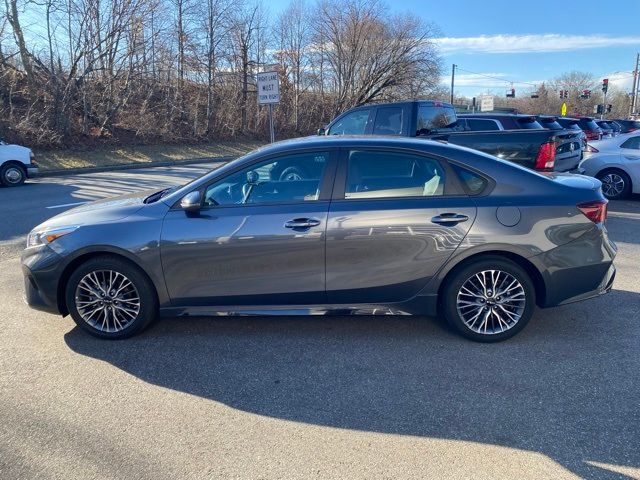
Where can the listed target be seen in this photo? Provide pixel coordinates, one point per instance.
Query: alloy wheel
(107, 300)
(612, 184)
(491, 302)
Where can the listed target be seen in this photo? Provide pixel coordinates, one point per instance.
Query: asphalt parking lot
(294, 397)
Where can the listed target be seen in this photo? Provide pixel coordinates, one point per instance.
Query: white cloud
(621, 80)
(552, 42)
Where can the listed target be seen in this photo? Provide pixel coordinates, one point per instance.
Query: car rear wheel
(489, 300)
(12, 175)
(111, 298)
(616, 184)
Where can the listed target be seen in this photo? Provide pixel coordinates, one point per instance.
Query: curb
(131, 166)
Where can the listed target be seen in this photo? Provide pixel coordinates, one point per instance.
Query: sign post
(268, 94)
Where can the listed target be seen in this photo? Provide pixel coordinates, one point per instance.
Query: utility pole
(453, 77)
(634, 91)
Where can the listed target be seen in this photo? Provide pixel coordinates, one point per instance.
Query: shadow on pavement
(564, 387)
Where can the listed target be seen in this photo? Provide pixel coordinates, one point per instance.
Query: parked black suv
(628, 126)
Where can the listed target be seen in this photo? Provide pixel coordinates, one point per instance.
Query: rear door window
(389, 174)
(388, 121)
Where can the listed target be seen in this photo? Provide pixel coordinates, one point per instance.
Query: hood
(100, 211)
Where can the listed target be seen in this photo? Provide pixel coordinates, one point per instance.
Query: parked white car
(16, 164)
(616, 163)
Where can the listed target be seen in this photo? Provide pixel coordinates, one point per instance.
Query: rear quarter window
(473, 183)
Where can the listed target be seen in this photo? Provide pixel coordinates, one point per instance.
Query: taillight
(594, 211)
(591, 149)
(546, 156)
(632, 130)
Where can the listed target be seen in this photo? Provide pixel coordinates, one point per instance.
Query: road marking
(67, 205)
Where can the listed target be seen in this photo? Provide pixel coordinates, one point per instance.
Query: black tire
(148, 301)
(12, 174)
(293, 173)
(454, 289)
(609, 176)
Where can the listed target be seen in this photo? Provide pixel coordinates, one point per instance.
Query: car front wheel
(12, 175)
(111, 298)
(489, 300)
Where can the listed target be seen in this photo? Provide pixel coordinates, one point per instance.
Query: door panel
(259, 238)
(387, 250)
(398, 218)
(245, 255)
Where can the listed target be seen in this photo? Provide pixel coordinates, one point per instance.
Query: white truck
(16, 164)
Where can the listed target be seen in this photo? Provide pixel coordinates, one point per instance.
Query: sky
(533, 41)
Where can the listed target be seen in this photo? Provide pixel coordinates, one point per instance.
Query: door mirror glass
(191, 202)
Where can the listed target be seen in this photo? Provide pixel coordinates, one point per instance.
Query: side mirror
(321, 131)
(191, 202)
(252, 177)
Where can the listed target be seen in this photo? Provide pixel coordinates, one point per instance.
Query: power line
(497, 78)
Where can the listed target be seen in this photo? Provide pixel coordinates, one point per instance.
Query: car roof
(494, 115)
(398, 104)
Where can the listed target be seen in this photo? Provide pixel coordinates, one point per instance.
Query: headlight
(46, 236)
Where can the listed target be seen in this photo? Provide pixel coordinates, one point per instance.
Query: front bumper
(42, 269)
(32, 171)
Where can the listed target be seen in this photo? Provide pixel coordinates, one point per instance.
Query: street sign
(563, 110)
(268, 88)
(268, 94)
(486, 103)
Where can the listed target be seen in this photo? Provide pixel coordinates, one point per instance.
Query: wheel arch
(527, 265)
(83, 257)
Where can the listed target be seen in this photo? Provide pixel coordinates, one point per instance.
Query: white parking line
(67, 205)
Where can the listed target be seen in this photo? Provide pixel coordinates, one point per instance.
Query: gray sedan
(331, 225)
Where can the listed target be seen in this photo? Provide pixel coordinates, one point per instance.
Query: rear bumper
(578, 270)
(604, 287)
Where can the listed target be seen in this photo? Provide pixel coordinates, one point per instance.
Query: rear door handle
(449, 218)
(302, 223)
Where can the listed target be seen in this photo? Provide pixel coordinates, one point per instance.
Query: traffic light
(586, 94)
(609, 107)
(512, 94)
(605, 85)
(564, 93)
(599, 109)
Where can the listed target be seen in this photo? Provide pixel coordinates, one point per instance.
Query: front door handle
(449, 219)
(302, 223)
